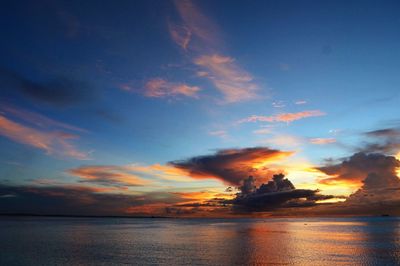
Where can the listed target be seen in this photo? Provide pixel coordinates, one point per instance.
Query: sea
(164, 241)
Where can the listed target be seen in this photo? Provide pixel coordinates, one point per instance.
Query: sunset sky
(166, 107)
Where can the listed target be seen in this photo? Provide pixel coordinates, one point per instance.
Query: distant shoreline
(170, 217)
(75, 216)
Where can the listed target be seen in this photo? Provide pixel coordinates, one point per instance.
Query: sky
(196, 108)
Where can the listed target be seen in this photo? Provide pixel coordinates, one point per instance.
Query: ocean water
(112, 241)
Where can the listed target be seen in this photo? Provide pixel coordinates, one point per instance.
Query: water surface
(108, 241)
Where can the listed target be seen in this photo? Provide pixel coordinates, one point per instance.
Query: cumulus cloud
(45, 134)
(357, 167)
(379, 189)
(160, 88)
(277, 193)
(283, 117)
(232, 165)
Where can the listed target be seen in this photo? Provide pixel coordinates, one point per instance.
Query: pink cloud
(232, 81)
(180, 34)
(322, 141)
(200, 38)
(159, 88)
(283, 117)
(54, 142)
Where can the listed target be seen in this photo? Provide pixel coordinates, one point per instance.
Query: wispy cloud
(262, 131)
(161, 88)
(36, 119)
(283, 117)
(322, 141)
(233, 82)
(278, 104)
(300, 102)
(281, 140)
(180, 34)
(107, 175)
(198, 36)
(54, 142)
(219, 133)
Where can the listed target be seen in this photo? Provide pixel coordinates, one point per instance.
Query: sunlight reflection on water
(309, 241)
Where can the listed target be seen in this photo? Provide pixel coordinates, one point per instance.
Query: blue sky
(147, 83)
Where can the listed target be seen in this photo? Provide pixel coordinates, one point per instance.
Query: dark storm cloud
(231, 165)
(359, 166)
(277, 193)
(56, 90)
(76, 200)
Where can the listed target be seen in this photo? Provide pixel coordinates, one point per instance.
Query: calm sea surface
(111, 241)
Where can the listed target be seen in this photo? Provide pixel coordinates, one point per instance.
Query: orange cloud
(284, 117)
(232, 165)
(232, 81)
(55, 142)
(159, 171)
(357, 167)
(322, 141)
(107, 175)
(159, 88)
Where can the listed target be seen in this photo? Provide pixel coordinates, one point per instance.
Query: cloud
(232, 165)
(300, 102)
(160, 88)
(36, 119)
(262, 131)
(180, 34)
(233, 82)
(282, 140)
(283, 117)
(107, 175)
(277, 193)
(219, 133)
(378, 189)
(202, 30)
(80, 200)
(54, 142)
(59, 91)
(357, 167)
(198, 37)
(278, 104)
(382, 141)
(322, 141)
